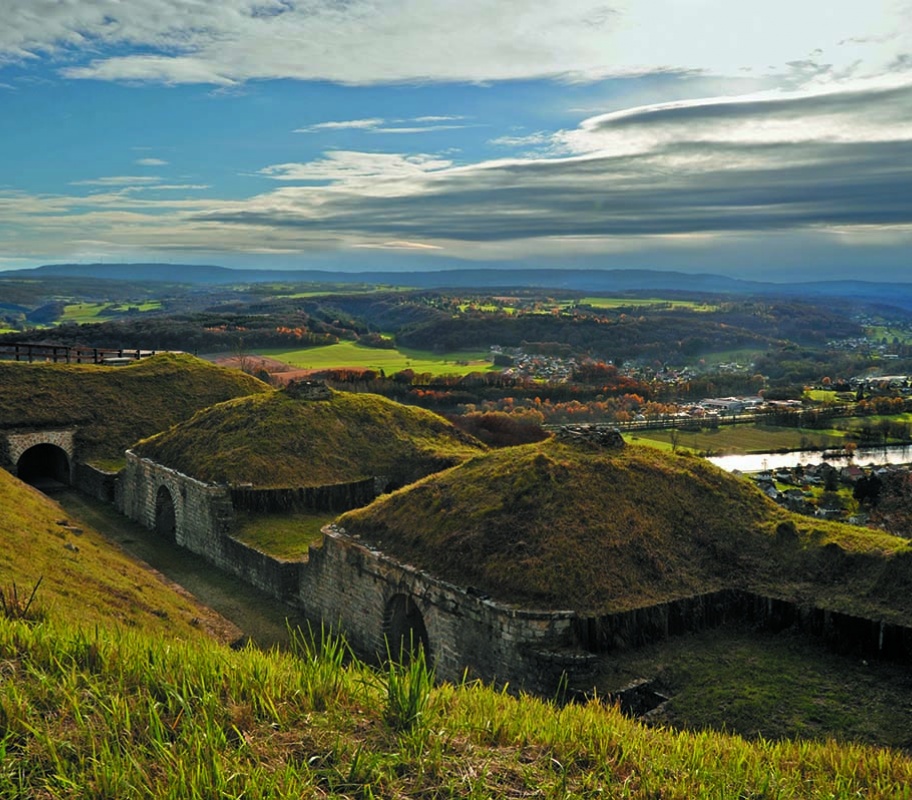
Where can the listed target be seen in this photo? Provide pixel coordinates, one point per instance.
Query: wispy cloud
(380, 125)
(151, 162)
(118, 180)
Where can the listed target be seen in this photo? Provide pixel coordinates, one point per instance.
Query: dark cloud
(672, 190)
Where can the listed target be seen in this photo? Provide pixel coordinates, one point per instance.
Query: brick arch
(18, 443)
(404, 628)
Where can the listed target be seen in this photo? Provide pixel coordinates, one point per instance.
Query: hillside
(554, 525)
(275, 439)
(115, 406)
(83, 577)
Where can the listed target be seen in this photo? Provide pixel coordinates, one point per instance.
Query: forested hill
(487, 276)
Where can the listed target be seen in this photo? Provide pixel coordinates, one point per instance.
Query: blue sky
(765, 141)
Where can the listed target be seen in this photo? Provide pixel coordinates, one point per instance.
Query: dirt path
(258, 616)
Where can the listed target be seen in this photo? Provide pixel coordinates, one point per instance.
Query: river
(863, 456)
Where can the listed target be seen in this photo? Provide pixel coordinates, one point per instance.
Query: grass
(351, 354)
(93, 312)
(637, 302)
(92, 705)
(274, 440)
(771, 685)
(747, 438)
(79, 572)
(113, 407)
(555, 526)
(284, 536)
(135, 716)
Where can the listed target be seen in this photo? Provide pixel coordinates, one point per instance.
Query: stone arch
(404, 629)
(44, 465)
(165, 513)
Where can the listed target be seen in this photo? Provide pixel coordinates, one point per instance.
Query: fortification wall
(334, 497)
(348, 584)
(202, 512)
(98, 483)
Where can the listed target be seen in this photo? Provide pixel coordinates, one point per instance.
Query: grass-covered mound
(115, 406)
(279, 440)
(554, 525)
(81, 575)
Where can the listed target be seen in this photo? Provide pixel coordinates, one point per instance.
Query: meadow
(351, 354)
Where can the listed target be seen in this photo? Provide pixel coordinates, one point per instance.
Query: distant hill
(489, 276)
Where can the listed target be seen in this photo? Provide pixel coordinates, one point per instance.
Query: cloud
(118, 180)
(349, 124)
(398, 245)
(838, 160)
(380, 125)
(151, 162)
(353, 42)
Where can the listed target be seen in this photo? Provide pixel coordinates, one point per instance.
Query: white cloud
(366, 42)
(352, 124)
(118, 180)
(151, 162)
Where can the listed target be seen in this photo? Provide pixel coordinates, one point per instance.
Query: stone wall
(95, 482)
(335, 497)
(347, 584)
(203, 515)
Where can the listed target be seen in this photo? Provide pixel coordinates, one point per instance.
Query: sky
(768, 140)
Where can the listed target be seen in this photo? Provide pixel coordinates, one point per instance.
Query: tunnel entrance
(45, 466)
(404, 629)
(165, 515)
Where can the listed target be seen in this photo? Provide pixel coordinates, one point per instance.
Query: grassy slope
(115, 406)
(552, 525)
(82, 575)
(90, 706)
(276, 440)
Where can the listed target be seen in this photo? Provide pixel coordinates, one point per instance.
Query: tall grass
(119, 714)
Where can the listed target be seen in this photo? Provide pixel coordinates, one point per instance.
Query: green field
(96, 312)
(285, 536)
(621, 302)
(351, 354)
(732, 439)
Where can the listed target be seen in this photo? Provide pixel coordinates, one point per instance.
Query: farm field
(97, 312)
(351, 354)
(740, 439)
(622, 302)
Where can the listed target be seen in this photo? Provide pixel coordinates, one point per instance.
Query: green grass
(275, 440)
(738, 439)
(95, 312)
(351, 354)
(81, 574)
(117, 694)
(113, 407)
(284, 536)
(755, 683)
(136, 716)
(620, 302)
(558, 527)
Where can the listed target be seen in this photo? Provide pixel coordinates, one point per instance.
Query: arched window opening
(165, 515)
(404, 629)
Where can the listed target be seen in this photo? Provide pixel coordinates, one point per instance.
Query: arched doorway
(45, 466)
(165, 515)
(404, 629)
